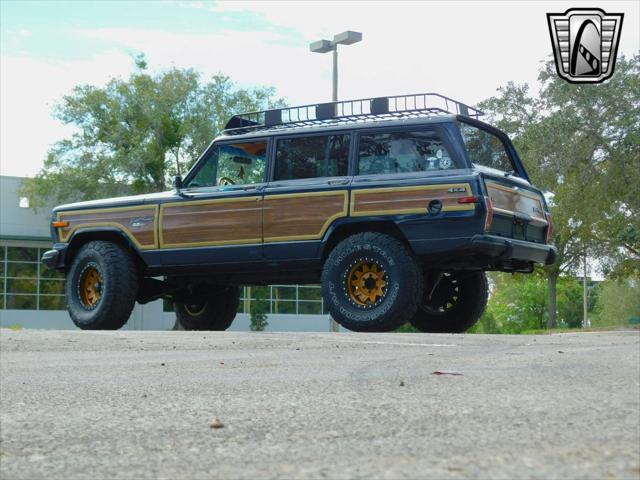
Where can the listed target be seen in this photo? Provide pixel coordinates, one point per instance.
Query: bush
(618, 303)
(258, 309)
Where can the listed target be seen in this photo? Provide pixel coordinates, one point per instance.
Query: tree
(618, 303)
(580, 142)
(258, 308)
(519, 303)
(133, 135)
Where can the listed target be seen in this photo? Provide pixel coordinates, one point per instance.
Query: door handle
(341, 181)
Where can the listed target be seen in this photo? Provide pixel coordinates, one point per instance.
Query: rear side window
(398, 152)
(484, 148)
(311, 157)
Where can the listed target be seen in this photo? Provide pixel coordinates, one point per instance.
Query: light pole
(325, 46)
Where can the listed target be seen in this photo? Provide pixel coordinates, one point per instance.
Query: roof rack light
(346, 111)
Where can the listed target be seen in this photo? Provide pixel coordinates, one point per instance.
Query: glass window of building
(25, 284)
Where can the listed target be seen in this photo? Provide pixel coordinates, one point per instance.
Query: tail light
(489, 219)
(549, 226)
(468, 199)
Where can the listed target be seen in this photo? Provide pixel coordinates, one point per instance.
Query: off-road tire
(403, 284)
(214, 310)
(472, 292)
(119, 286)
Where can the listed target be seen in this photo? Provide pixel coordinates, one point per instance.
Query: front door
(220, 206)
(308, 191)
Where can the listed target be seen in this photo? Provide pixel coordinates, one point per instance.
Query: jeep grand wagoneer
(396, 205)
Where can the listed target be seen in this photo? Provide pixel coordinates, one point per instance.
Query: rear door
(307, 192)
(401, 171)
(518, 208)
(518, 211)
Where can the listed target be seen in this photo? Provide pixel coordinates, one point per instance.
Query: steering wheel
(226, 181)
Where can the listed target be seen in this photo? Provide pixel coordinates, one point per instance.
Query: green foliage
(407, 328)
(581, 143)
(618, 303)
(258, 308)
(519, 303)
(134, 134)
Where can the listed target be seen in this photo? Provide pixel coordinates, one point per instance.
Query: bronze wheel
(90, 286)
(366, 283)
(444, 297)
(102, 286)
(371, 283)
(195, 309)
(453, 302)
(210, 308)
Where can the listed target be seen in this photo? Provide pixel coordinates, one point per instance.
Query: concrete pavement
(299, 405)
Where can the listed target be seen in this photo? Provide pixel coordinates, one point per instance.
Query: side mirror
(177, 182)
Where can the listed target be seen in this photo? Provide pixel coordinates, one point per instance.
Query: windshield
(485, 148)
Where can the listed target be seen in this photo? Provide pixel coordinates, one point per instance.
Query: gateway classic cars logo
(585, 43)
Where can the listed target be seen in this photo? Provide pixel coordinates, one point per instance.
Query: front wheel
(452, 302)
(101, 287)
(213, 310)
(371, 283)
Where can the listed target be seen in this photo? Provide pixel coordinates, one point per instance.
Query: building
(32, 296)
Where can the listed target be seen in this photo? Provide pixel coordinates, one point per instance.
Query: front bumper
(511, 249)
(54, 258)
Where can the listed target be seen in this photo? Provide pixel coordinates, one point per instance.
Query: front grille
(507, 226)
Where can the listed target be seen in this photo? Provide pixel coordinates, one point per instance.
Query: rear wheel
(371, 283)
(213, 310)
(101, 287)
(452, 303)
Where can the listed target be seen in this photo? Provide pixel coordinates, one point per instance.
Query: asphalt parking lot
(299, 405)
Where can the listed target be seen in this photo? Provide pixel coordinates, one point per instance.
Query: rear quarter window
(405, 151)
(485, 148)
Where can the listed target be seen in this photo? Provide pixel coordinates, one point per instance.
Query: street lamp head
(321, 46)
(347, 38)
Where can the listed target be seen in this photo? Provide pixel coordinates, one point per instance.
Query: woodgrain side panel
(211, 222)
(408, 200)
(139, 223)
(509, 200)
(301, 216)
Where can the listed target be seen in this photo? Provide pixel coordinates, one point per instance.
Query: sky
(465, 50)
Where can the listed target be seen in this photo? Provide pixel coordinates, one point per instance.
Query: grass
(577, 330)
(408, 328)
(15, 328)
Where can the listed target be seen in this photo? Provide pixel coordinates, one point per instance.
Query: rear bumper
(510, 249)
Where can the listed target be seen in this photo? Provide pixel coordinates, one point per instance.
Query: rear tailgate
(518, 212)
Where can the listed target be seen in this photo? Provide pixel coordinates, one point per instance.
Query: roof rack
(348, 111)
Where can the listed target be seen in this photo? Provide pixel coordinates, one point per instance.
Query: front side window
(484, 148)
(399, 152)
(312, 157)
(232, 164)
